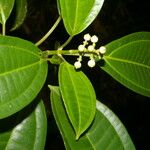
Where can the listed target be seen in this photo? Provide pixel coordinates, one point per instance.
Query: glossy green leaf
(79, 14)
(6, 7)
(20, 11)
(106, 132)
(78, 96)
(22, 74)
(126, 40)
(26, 130)
(128, 61)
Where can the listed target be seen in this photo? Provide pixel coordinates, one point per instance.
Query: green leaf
(126, 40)
(106, 132)
(26, 130)
(22, 74)
(6, 7)
(79, 14)
(78, 96)
(20, 11)
(128, 61)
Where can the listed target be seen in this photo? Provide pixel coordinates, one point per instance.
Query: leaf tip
(77, 136)
(51, 87)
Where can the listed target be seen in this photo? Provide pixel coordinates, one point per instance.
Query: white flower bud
(94, 39)
(91, 63)
(90, 48)
(87, 37)
(102, 50)
(81, 48)
(77, 64)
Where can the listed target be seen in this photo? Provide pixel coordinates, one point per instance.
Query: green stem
(68, 52)
(64, 52)
(46, 54)
(66, 43)
(3, 29)
(49, 32)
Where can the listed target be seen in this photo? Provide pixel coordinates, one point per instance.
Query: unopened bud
(102, 50)
(94, 39)
(87, 37)
(77, 64)
(91, 63)
(81, 48)
(90, 48)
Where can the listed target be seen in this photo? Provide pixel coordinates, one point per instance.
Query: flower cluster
(88, 49)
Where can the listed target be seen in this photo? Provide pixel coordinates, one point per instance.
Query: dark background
(116, 19)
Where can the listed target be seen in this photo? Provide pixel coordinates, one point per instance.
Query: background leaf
(22, 74)
(106, 132)
(6, 7)
(20, 11)
(78, 96)
(128, 61)
(26, 130)
(80, 14)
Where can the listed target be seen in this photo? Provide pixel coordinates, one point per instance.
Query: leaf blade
(127, 61)
(25, 129)
(22, 74)
(20, 10)
(76, 89)
(80, 14)
(6, 7)
(126, 40)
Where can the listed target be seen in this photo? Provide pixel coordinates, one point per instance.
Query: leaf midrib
(76, 14)
(79, 111)
(126, 61)
(91, 97)
(2, 15)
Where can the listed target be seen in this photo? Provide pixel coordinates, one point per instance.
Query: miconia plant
(83, 121)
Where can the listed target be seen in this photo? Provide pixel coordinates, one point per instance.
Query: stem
(68, 52)
(66, 43)
(3, 29)
(49, 32)
(64, 52)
